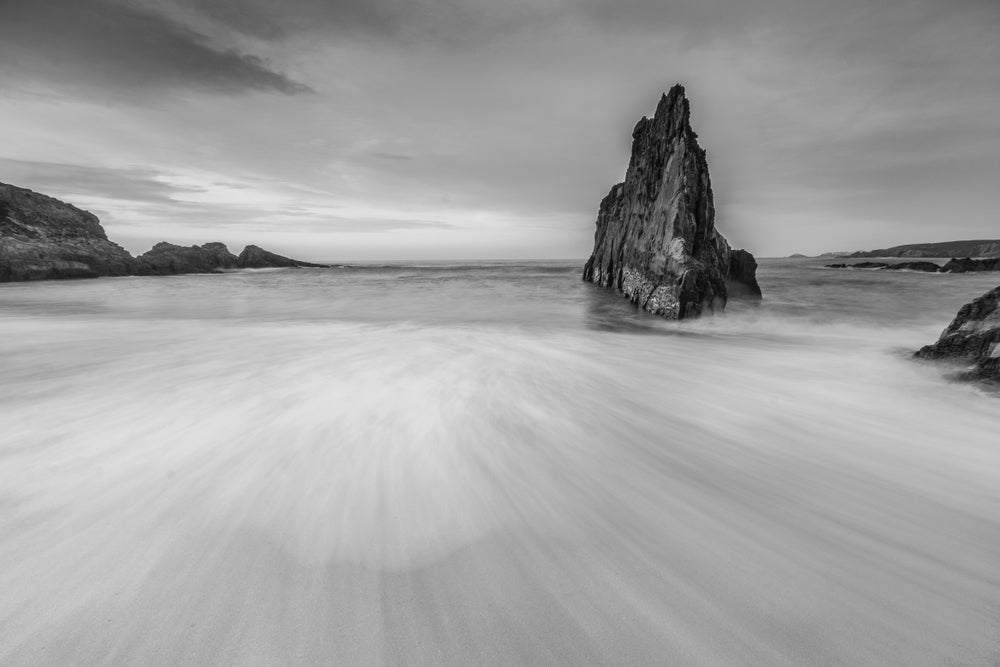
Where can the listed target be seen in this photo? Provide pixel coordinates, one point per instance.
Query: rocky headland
(973, 337)
(973, 248)
(42, 238)
(656, 241)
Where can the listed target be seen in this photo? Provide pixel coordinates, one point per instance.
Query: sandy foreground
(341, 495)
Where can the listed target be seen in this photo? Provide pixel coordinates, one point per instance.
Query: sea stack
(972, 337)
(656, 241)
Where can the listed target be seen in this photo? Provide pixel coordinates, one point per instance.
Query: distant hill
(977, 248)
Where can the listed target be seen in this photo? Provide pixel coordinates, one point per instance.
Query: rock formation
(42, 238)
(972, 337)
(656, 241)
(966, 264)
(963, 265)
(926, 267)
(741, 279)
(254, 257)
(974, 248)
(167, 259)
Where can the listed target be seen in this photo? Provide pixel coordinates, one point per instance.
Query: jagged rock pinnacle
(656, 241)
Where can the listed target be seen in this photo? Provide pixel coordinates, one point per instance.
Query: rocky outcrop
(741, 279)
(926, 267)
(254, 257)
(656, 241)
(168, 259)
(963, 265)
(972, 337)
(974, 248)
(44, 238)
(966, 264)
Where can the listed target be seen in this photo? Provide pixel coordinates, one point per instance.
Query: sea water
(492, 463)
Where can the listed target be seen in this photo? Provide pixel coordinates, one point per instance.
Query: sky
(423, 129)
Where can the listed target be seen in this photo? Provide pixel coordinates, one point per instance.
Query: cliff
(656, 241)
(972, 337)
(43, 238)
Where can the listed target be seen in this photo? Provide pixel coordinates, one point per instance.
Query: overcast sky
(366, 129)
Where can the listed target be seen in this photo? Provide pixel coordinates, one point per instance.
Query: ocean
(492, 463)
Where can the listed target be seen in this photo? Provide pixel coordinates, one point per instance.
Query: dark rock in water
(967, 264)
(973, 337)
(44, 238)
(859, 265)
(254, 257)
(927, 267)
(169, 259)
(741, 279)
(656, 241)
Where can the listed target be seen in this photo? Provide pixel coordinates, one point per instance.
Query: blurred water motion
(487, 465)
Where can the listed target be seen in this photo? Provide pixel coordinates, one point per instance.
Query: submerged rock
(656, 241)
(168, 259)
(973, 337)
(254, 257)
(44, 238)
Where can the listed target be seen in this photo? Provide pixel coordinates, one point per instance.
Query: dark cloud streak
(69, 180)
(105, 47)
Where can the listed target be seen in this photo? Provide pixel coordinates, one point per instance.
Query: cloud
(476, 123)
(68, 181)
(104, 47)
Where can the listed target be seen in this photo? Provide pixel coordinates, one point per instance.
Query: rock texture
(44, 238)
(656, 241)
(254, 257)
(168, 259)
(972, 337)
